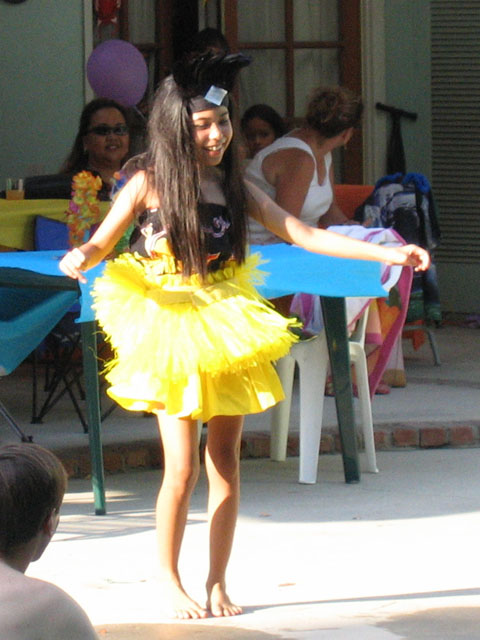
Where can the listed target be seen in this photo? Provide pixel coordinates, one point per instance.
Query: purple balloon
(117, 70)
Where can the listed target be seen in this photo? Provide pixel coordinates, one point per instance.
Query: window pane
(257, 85)
(141, 20)
(313, 67)
(261, 21)
(315, 20)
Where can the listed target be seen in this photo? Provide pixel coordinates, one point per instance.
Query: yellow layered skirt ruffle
(190, 348)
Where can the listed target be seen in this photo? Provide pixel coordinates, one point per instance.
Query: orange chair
(350, 196)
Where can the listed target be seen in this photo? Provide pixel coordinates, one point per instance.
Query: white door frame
(372, 16)
(87, 46)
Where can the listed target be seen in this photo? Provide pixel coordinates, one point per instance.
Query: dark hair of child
(268, 114)
(32, 485)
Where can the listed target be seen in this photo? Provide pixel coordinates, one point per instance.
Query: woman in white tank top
(297, 171)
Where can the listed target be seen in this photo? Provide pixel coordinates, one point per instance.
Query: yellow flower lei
(83, 209)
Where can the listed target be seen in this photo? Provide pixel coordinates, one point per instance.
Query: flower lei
(83, 209)
(120, 179)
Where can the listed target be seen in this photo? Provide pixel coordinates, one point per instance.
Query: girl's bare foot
(181, 605)
(219, 604)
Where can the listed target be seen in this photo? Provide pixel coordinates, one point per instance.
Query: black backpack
(405, 203)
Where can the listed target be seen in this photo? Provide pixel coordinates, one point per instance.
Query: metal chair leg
(433, 344)
(13, 425)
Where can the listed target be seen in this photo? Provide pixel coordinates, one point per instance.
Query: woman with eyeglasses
(102, 143)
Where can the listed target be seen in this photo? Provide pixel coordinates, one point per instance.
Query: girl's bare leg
(181, 461)
(222, 458)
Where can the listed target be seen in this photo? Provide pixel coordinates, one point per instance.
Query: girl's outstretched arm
(130, 200)
(293, 230)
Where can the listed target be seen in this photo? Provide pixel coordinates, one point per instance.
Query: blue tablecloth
(26, 318)
(289, 269)
(292, 269)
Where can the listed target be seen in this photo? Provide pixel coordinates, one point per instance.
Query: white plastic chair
(312, 359)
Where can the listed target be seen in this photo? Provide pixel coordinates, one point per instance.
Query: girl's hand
(414, 256)
(71, 264)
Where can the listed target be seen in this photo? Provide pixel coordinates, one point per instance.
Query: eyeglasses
(105, 130)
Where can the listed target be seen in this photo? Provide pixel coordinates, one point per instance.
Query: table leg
(337, 340)
(90, 368)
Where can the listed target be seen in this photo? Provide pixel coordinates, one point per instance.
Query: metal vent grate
(455, 32)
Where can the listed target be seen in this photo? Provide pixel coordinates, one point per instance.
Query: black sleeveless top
(150, 240)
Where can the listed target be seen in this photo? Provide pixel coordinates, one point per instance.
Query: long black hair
(173, 171)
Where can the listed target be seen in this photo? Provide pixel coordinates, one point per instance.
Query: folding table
(288, 270)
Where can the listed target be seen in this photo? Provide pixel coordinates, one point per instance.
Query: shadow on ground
(448, 622)
(178, 631)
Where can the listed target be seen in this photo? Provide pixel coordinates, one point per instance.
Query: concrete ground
(395, 556)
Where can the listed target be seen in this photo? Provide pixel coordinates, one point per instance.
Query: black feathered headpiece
(206, 79)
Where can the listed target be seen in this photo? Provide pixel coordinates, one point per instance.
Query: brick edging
(147, 454)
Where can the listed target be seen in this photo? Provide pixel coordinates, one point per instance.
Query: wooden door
(297, 45)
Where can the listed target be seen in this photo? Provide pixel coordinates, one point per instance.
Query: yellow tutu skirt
(190, 348)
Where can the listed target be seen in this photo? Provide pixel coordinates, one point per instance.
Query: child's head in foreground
(32, 485)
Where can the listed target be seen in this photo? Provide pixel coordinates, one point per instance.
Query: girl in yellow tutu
(192, 338)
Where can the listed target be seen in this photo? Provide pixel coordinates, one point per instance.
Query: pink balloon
(117, 70)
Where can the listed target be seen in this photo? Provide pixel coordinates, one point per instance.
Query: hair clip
(201, 74)
(215, 95)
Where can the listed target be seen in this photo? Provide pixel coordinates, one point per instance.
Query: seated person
(297, 169)
(32, 486)
(261, 125)
(297, 172)
(102, 143)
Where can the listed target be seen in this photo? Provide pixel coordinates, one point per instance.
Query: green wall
(41, 67)
(407, 52)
